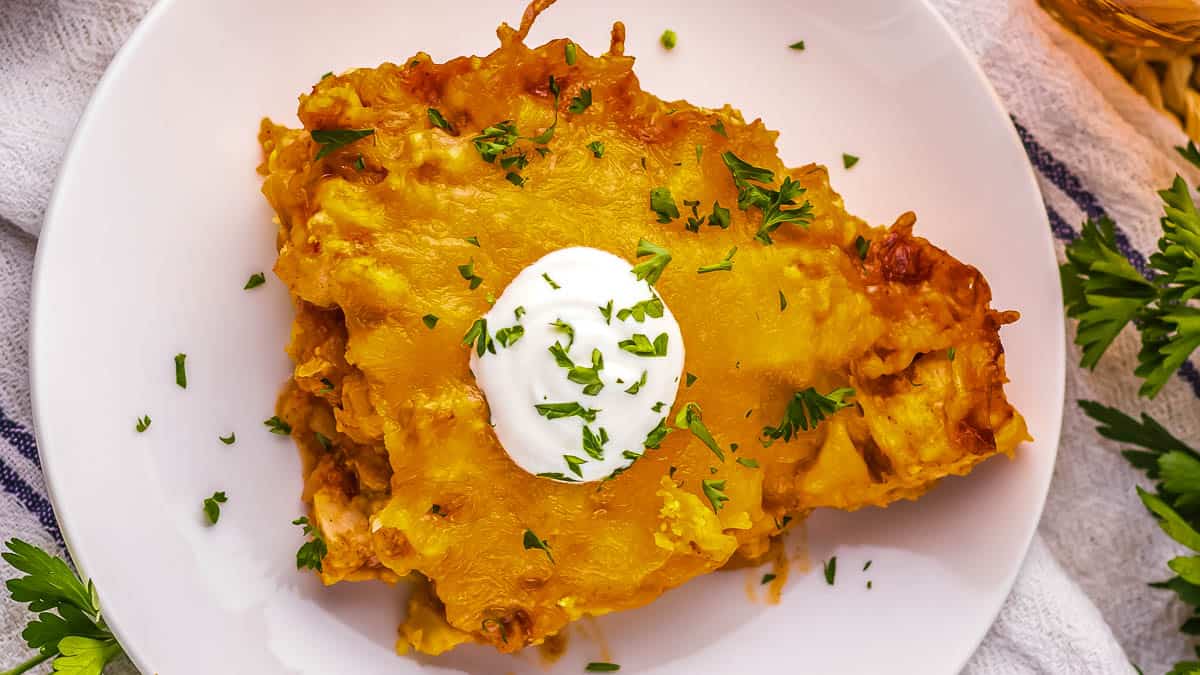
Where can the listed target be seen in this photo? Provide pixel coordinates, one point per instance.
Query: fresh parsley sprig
(805, 411)
(68, 627)
(651, 270)
(770, 202)
(312, 552)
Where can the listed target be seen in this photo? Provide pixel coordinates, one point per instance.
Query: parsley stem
(31, 663)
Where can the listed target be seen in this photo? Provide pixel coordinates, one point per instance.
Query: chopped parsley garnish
(699, 152)
(228, 440)
(181, 370)
(630, 455)
(725, 265)
(658, 407)
(573, 463)
(798, 46)
(668, 39)
(690, 417)
(430, 321)
(651, 269)
(656, 435)
(328, 74)
(310, 553)
(602, 667)
(278, 426)
(691, 379)
(719, 127)
(569, 52)
(332, 139)
(327, 386)
(652, 308)
(554, 411)
(719, 216)
(950, 353)
(550, 281)
(474, 241)
(637, 386)
(477, 336)
(606, 312)
(848, 161)
(767, 578)
(715, 491)
(770, 202)
(212, 507)
(830, 570)
(467, 272)
(257, 279)
(436, 510)
(862, 246)
(589, 377)
(866, 566)
(580, 102)
(747, 462)
(556, 475)
(805, 411)
(782, 301)
(640, 345)
(436, 119)
(566, 328)
(593, 444)
(531, 541)
(519, 312)
(597, 149)
(515, 178)
(143, 423)
(360, 164)
(663, 204)
(496, 140)
(323, 440)
(509, 336)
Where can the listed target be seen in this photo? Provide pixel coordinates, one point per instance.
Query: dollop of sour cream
(586, 364)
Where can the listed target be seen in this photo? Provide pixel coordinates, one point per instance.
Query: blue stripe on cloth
(1058, 174)
(19, 438)
(1061, 177)
(31, 499)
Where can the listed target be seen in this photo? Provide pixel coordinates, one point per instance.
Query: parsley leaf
(569, 53)
(690, 417)
(848, 161)
(663, 204)
(1101, 289)
(651, 269)
(474, 241)
(655, 438)
(430, 321)
(950, 353)
(467, 272)
(606, 312)
(719, 127)
(509, 336)
(637, 386)
(436, 119)
(557, 476)
(715, 491)
(830, 570)
(768, 578)
(640, 310)
(181, 370)
(554, 411)
(770, 202)
(580, 102)
(862, 246)
(725, 265)
(257, 279)
(228, 440)
(593, 443)
(806, 409)
(332, 139)
(531, 541)
(602, 667)
(1190, 153)
(565, 328)
(640, 345)
(477, 336)
(691, 379)
(589, 377)
(597, 149)
(212, 507)
(143, 423)
(782, 301)
(668, 39)
(278, 426)
(550, 281)
(515, 178)
(312, 552)
(747, 462)
(496, 140)
(573, 463)
(798, 46)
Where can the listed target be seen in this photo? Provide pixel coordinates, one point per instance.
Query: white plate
(157, 222)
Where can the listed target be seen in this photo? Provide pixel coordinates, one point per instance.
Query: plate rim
(100, 96)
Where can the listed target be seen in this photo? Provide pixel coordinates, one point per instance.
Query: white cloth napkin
(1080, 605)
